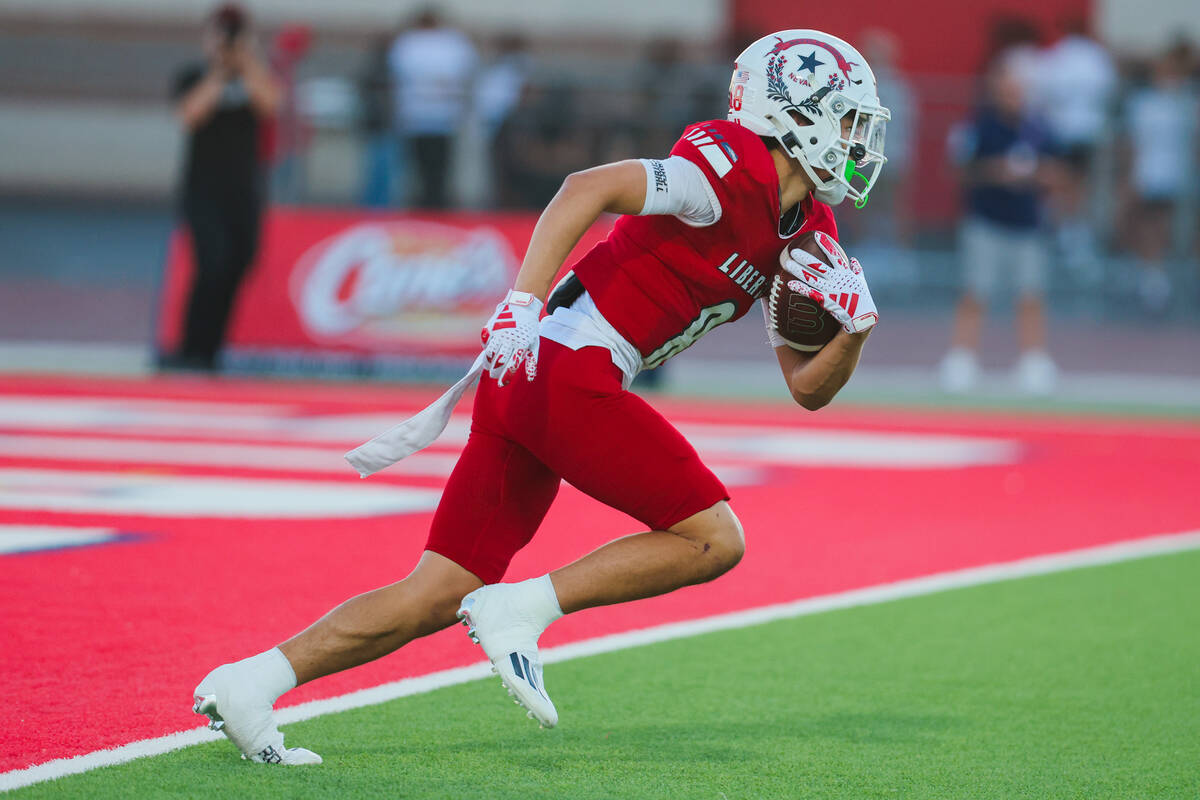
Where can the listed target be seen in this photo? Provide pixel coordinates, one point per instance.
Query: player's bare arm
(814, 379)
(201, 101)
(261, 86)
(819, 275)
(617, 188)
(510, 337)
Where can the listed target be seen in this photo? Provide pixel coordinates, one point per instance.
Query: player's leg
(700, 548)
(211, 248)
(239, 697)
(494, 501)
(1030, 272)
(1036, 371)
(628, 456)
(242, 234)
(959, 370)
(610, 444)
(981, 253)
(1152, 238)
(381, 621)
(507, 619)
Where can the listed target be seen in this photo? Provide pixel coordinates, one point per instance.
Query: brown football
(802, 322)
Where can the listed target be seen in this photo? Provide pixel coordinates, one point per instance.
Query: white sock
(543, 600)
(272, 671)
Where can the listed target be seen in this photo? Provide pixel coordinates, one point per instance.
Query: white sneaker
(959, 371)
(1036, 373)
(239, 708)
(1154, 289)
(498, 620)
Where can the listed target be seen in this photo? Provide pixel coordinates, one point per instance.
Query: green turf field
(1084, 684)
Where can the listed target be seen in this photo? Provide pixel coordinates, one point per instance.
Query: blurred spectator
(1002, 155)
(432, 65)
(1160, 123)
(1074, 91)
(375, 120)
(539, 145)
(500, 85)
(222, 104)
(497, 95)
(289, 133)
(1015, 39)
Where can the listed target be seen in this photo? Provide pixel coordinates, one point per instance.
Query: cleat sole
(464, 616)
(517, 701)
(207, 705)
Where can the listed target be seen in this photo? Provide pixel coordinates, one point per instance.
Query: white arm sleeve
(678, 187)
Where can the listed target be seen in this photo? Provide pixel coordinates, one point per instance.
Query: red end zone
(226, 521)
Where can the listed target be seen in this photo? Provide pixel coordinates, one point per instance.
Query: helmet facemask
(839, 144)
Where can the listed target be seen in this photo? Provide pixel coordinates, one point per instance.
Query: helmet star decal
(810, 63)
(843, 64)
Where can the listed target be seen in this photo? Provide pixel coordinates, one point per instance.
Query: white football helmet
(816, 95)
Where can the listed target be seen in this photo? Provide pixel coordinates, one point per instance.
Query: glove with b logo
(838, 285)
(510, 338)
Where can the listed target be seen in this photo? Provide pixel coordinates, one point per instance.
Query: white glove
(510, 337)
(841, 289)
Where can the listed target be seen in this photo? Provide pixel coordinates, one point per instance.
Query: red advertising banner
(346, 291)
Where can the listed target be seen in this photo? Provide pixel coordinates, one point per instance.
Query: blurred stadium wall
(89, 148)
(80, 75)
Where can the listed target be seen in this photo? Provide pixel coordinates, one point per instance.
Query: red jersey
(662, 284)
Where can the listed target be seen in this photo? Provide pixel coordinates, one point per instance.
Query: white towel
(416, 432)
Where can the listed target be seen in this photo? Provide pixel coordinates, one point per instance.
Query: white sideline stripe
(208, 454)
(30, 538)
(788, 445)
(914, 587)
(287, 458)
(206, 497)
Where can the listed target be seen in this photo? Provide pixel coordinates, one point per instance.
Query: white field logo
(364, 279)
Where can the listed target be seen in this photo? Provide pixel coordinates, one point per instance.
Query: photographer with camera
(222, 105)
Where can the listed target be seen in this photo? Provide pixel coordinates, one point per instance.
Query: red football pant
(574, 422)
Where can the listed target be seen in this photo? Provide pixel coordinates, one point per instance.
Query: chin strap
(851, 173)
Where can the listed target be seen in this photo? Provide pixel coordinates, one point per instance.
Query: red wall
(936, 36)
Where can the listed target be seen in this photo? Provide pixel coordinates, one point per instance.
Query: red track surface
(101, 646)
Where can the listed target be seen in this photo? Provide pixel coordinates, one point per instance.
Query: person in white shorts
(1004, 153)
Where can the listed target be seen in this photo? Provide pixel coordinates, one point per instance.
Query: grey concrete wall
(89, 148)
(695, 19)
(1143, 27)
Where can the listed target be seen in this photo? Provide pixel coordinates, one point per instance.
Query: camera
(230, 20)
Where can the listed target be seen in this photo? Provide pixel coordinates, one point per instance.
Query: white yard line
(30, 538)
(882, 593)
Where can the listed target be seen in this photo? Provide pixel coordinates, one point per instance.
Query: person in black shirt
(221, 104)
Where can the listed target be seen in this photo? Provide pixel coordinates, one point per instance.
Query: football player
(701, 234)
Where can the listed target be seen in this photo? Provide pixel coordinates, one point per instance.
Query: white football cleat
(496, 621)
(238, 708)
